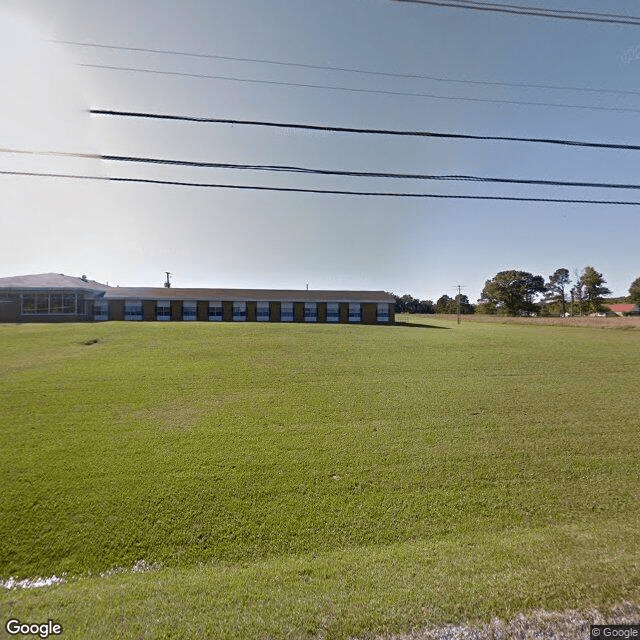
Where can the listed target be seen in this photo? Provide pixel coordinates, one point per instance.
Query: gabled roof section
(50, 281)
(622, 308)
(262, 295)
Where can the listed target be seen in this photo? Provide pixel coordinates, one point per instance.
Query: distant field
(621, 322)
(299, 481)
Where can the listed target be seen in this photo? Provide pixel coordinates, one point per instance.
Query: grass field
(294, 481)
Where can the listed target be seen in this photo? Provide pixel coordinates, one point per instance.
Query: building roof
(262, 295)
(622, 308)
(50, 281)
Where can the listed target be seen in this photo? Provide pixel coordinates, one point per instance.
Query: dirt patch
(169, 418)
(541, 625)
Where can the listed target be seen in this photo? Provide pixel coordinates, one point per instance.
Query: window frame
(333, 316)
(308, 308)
(165, 305)
(42, 303)
(103, 315)
(384, 315)
(190, 305)
(132, 304)
(215, 317)
(287, 318)
(355, 317)
(261, 306)
(239, 312)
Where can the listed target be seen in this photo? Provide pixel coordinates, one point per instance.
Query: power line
(385, 132)
(549, 10)
(412, 76)
(532, 11)
(308, 85)
(330, 172)
(319, 191)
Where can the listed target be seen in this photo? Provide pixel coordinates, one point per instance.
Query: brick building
(58, 298)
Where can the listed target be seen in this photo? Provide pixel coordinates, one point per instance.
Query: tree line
(522, 293)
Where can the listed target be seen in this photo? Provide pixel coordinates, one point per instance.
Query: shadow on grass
(416, 325)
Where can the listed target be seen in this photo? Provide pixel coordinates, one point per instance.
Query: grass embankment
(295, 480)
(619, 322)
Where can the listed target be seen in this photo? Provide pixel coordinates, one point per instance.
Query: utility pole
(459, 300)
(572, 303)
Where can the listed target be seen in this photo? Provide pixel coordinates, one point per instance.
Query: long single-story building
(621, 309)
(53, 297)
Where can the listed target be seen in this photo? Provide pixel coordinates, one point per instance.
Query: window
(310, 312)
(286, 312)
(100, 310)
(190, 310)
(383, 312)
(215, 311)
(333, 312)
(49, 303)
(132, 310)
(239, 311)
(355, 312)
(163, 310)
(262, 311)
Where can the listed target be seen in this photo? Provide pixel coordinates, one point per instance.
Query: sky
(129, 234)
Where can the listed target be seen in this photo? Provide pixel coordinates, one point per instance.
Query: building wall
(148, 309)
(369, 312)
(176, 310)
(9, 310)
(116, 309)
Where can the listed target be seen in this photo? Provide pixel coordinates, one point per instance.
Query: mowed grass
(302, 481)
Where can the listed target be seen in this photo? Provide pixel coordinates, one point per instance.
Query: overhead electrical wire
(319, 191)
(329, 172)
(548, 9)
(537, 12)
(385, 132)
(309, 85)
(412, 76)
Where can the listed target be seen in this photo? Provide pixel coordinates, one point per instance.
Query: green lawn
(300, 481)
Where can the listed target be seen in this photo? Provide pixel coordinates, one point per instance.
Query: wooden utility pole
(572, 303)
(459, 300)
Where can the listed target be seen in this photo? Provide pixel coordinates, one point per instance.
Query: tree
(578, 296)
(556, 288)
(445, 304)
(409, 304)
(594, 289)
(634, 291)
(465, 306)
(512, 291)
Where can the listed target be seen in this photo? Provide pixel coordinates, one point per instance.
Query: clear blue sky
(129, 234)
